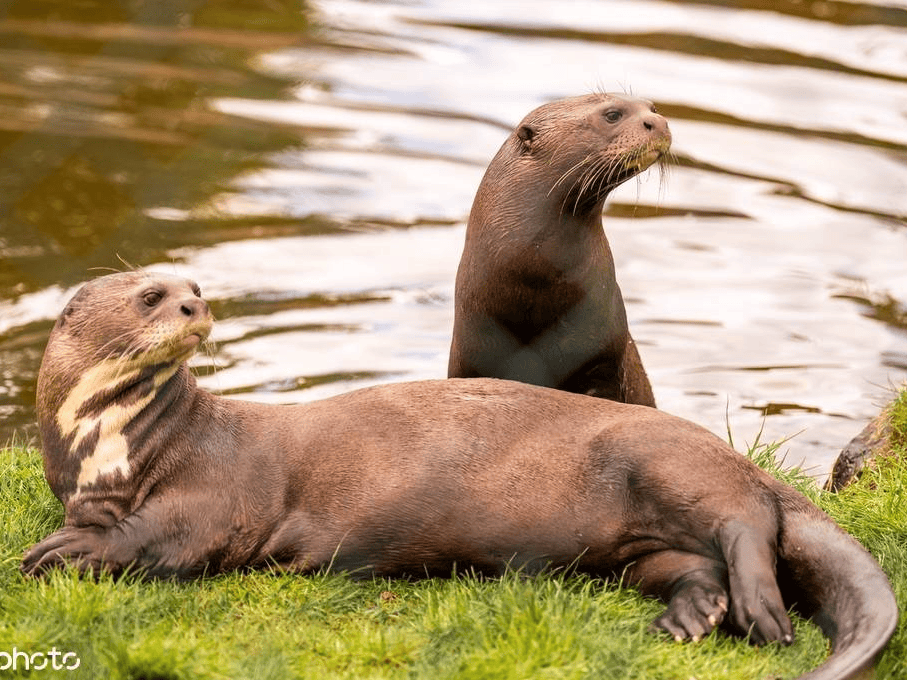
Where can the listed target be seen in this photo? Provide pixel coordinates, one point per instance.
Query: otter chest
(96, 412)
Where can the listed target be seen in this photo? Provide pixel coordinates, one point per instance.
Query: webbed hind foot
(695, 588)
(694, 610)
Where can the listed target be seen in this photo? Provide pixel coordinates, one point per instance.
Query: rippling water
(312, 166)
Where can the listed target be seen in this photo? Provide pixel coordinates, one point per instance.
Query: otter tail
(833, 580)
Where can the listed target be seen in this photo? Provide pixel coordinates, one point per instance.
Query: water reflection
(105, 119)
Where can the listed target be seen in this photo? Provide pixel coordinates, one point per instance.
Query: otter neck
(111, 424)
(504, 205)
(574, 242)
(568, 236)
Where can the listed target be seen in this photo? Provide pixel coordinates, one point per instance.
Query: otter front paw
(693, 612)
(81, 547)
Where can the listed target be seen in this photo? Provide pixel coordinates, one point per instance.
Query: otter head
(579, 149)
(117, 343)
(131, 317)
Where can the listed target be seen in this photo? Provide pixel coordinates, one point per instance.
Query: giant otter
(536, 296)
(420, 478)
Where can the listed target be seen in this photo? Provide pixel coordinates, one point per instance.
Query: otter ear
(525, 134)
(75, 302)
(63, 319)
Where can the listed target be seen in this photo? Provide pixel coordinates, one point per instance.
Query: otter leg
(151, 540)
(695, 588)
(757, 608)
(85, 548)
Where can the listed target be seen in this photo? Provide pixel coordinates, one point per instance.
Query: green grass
(263, 625)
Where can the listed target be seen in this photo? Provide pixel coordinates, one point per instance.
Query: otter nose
(655, 122)
(194, 307)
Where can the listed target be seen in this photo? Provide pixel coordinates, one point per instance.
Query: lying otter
(421, 478)
(536, 297)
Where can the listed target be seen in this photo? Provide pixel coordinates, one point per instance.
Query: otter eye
(151, 298)
(196, 290)
(613, 115)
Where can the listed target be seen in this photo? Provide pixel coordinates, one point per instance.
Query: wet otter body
(536, 295)
(420, 478)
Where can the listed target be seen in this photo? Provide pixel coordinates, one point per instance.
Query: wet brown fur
(536, 295)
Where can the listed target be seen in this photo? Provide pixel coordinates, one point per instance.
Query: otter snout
(656, 124)
(194, 308)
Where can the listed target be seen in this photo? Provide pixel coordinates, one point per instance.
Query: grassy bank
(326, 626)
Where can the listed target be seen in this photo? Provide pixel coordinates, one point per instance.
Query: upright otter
(420, 478)
(536, 297)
